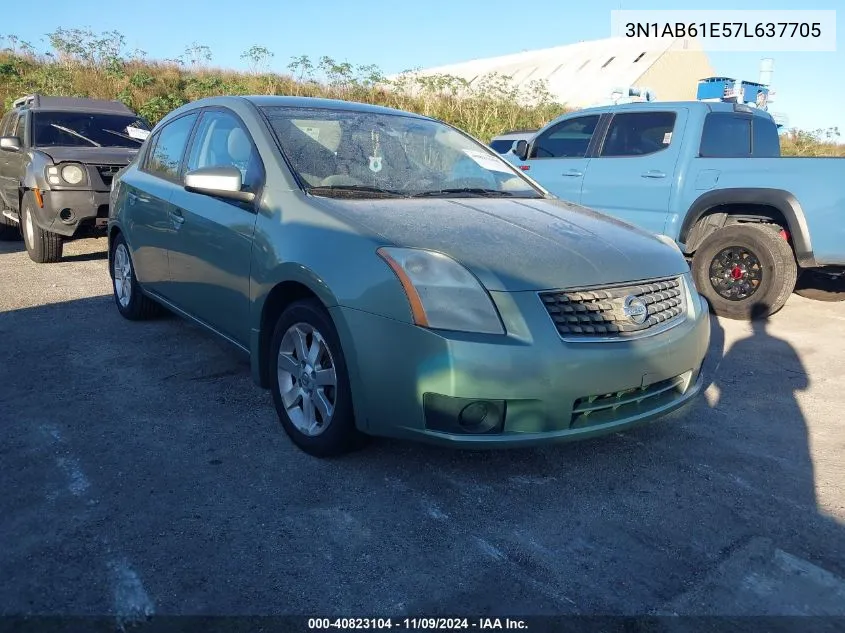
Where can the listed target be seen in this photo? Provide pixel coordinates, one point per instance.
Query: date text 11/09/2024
(429, 624)
(724, 29)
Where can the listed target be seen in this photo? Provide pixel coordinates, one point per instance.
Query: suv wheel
(131, 301)
(310, 383)
(42, 246)
(745, 271)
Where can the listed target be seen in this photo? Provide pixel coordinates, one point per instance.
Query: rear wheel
(131, 302)
(745, 271)
(43, 247)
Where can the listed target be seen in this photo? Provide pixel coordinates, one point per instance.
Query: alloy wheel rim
(736, 273)
(307, 379)
(122, 276)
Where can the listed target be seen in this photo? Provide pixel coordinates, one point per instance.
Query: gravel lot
(143, 472)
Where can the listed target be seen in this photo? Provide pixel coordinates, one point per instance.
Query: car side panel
(144, 214)
(210, 260)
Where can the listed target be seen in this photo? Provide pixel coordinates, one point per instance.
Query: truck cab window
(765, 138)
(726, 135)
(638, 133)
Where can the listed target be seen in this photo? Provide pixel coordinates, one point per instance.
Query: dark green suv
(58, 156)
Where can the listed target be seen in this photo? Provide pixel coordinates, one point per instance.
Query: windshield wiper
(126, 136)
(74, 133)
(477, 191)
(354, 189)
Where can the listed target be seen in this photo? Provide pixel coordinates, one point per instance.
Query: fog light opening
(66, 216)
(479, 417)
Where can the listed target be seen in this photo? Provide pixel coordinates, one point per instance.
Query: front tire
(746, 271)
(43, 247)
(131, 301)
(310, 382)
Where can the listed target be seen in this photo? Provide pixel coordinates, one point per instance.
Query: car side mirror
(520, 149)
(10, 143)
(221, 182)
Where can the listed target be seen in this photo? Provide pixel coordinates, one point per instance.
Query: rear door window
(638, 133)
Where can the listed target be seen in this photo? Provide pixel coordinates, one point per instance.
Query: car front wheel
(746, 271)
(310, 383)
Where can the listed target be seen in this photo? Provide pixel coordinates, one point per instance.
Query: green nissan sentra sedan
(389, 275)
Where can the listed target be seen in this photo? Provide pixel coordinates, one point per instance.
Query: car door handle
(134, 197)
(654, 174)
(177, 217)
(573, 172)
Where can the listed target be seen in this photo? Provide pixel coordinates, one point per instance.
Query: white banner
(738, 31)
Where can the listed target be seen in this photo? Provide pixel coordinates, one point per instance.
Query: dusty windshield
(341, 152)
(87, 129)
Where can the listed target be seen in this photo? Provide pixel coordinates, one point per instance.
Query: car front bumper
(66, 212)
(411, 382)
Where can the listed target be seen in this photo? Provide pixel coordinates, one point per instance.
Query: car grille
(107, 172)
(610, 407)
(601, 313)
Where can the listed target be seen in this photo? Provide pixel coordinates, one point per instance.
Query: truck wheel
(42, 246)
(745, 271)
(820, 287)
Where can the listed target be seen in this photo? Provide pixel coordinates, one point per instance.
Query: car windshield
(366, 154)
(87, 129)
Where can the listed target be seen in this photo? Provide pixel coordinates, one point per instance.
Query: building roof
(579, 74)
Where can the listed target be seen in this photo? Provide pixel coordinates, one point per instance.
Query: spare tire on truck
(745, 270)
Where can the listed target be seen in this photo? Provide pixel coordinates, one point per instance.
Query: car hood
(91, 155)
(525, 244)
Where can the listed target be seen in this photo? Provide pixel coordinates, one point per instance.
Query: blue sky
(397, 35)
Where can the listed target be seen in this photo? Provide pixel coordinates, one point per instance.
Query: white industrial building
(586, 73)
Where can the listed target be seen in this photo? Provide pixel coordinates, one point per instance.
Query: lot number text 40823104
(429, 624)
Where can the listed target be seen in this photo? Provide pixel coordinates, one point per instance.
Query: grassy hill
(86, 64)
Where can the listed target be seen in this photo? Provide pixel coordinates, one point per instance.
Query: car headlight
(443, 294)
(73, 174)
(693, 297)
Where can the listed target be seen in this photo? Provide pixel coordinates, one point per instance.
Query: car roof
(269, 101)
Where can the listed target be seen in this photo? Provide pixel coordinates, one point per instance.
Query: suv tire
(42, 246)
(746, 271)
